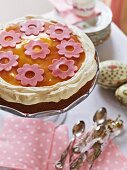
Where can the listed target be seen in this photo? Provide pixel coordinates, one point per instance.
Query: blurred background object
(108, 2)
(96, 20)
(119, 10)
(13, 9)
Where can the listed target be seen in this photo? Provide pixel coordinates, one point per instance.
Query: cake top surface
(43, 60)
(37, 53)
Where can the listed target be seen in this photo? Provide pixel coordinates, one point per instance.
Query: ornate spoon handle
(60, 163)
(76, 164)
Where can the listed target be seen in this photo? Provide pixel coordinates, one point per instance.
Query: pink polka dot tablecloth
(29, 144)
(34, 144)
(110, 159)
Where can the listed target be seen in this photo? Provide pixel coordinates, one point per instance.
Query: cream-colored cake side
(59, 91)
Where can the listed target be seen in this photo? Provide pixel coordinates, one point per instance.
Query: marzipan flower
(30, 74)
(59, 31)
(32, 27)
(70, 48)
(37, 49)
(9, 38)
(9, 59)
(63, 74)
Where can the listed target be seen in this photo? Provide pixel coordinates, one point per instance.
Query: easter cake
(44, 65)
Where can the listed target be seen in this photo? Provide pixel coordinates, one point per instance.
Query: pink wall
(119, 9)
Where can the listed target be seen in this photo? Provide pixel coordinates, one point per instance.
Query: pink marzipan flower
(32, 27)
(57, 72)
(12, 60)
(59, 31)
(32, 81)
(43, 49)
(75, 50)
(9, 38)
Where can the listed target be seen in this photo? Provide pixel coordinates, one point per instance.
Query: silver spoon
(100, 116)
(78, 129)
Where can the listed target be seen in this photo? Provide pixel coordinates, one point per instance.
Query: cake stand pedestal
(57, 119)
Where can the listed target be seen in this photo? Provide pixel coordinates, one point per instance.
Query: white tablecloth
(114, 48)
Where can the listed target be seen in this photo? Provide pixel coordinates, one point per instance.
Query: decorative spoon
(78, 130)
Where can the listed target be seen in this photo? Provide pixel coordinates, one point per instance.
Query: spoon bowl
(100, 116)
(78, 128)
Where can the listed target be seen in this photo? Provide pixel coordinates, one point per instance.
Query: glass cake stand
(57, 116)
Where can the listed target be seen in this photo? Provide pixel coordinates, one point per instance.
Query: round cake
(44, 65)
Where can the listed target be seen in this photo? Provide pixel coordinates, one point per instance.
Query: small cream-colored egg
(121, 94)
(112, 74)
